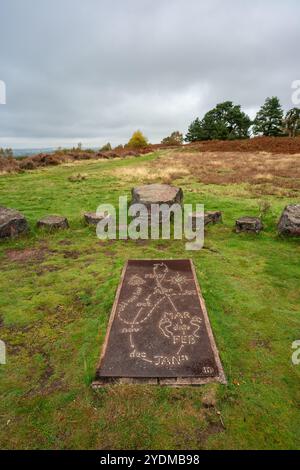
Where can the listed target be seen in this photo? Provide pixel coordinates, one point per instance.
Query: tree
(224, 122)
(176, 138)
(292, 122)
(105, 147)
(138, 140)
(6, 153)
(194, 132)
(269, 119)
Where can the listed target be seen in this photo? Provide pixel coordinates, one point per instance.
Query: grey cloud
(97, 70)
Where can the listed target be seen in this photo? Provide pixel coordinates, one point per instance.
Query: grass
(56, 295)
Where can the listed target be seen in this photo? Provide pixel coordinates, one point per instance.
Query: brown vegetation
(273, 169)
(271, 145)
(286, 145)
(8, 165)
(279, 171)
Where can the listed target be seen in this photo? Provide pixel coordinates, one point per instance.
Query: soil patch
(26, 255)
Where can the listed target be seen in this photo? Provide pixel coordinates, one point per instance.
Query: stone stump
(157, 194)
(248, 224)
(289, 223)
(92, 218)
(53, 222)
(12, 223)
(210, 217)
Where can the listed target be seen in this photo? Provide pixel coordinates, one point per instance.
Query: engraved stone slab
(159, 331)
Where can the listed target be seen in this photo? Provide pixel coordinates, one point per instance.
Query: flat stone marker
(159, 331)
(53, 222)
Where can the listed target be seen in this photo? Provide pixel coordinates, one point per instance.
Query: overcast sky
(93, 71)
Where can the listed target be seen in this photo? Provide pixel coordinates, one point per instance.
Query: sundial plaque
(159, 331)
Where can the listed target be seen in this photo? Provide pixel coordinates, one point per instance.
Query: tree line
(228, 122)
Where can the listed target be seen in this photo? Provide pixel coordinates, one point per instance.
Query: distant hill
(33, 151)
(29, 152)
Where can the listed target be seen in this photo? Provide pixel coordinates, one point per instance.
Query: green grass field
(56, 294)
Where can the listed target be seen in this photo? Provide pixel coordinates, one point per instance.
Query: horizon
(94, 145)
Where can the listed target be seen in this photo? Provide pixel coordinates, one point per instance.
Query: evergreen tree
(224, 122)
(269, 119)
(194, 132)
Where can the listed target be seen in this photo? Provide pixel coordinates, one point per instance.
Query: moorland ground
(57, 290)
